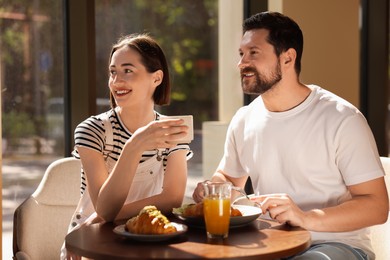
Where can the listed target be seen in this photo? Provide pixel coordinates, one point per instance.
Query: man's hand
(281, 208)
(198, 193)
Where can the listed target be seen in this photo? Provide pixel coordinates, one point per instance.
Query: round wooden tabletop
(262, 238)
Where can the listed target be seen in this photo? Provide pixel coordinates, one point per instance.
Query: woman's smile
(122, 92)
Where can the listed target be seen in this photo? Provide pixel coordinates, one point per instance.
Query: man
(311, 155)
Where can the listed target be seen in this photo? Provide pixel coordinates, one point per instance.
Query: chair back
(380, 234)
(41, 221)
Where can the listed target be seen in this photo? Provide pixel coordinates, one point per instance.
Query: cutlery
(242, 191)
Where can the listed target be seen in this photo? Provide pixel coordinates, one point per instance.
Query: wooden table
(262, 238)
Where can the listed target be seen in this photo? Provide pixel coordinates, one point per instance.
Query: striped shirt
(91, 134)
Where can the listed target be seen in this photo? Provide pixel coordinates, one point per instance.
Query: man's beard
(261, 83)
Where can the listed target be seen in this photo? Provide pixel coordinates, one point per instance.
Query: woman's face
(130, 83)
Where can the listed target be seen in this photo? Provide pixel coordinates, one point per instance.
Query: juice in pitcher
(217, 216)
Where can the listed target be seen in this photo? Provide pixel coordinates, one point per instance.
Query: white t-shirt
(311, 152)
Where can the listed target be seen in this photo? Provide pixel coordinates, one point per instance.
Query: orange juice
(217, 216)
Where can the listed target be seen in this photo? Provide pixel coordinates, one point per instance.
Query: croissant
(194, 210)
(150, 221)
(235, 212)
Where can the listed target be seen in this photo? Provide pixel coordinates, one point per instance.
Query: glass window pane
(32, 85)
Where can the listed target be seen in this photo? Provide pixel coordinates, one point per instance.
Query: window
(32, 89)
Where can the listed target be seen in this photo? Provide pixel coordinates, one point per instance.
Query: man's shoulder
(256, 104)
(332, 101)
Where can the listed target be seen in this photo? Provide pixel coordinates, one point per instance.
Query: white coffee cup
(188, 121)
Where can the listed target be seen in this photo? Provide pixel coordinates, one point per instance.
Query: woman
(130, 158)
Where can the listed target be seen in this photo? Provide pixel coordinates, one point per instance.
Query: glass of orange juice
(216, 208)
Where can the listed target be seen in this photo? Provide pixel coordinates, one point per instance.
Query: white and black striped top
(91, 133)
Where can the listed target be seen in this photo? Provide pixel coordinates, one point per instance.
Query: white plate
(120, 230)
(243, 200)
(249, 214)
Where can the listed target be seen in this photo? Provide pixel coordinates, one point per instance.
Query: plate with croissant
(150, 225)
(240, 215)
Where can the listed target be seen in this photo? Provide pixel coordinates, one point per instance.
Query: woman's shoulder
(108, 114)
(97, 121)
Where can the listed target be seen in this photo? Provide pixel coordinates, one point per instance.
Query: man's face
(259, 66)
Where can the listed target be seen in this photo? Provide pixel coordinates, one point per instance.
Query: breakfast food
(196, 210)
(235, 212)
(150, 221)
(193, 210)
